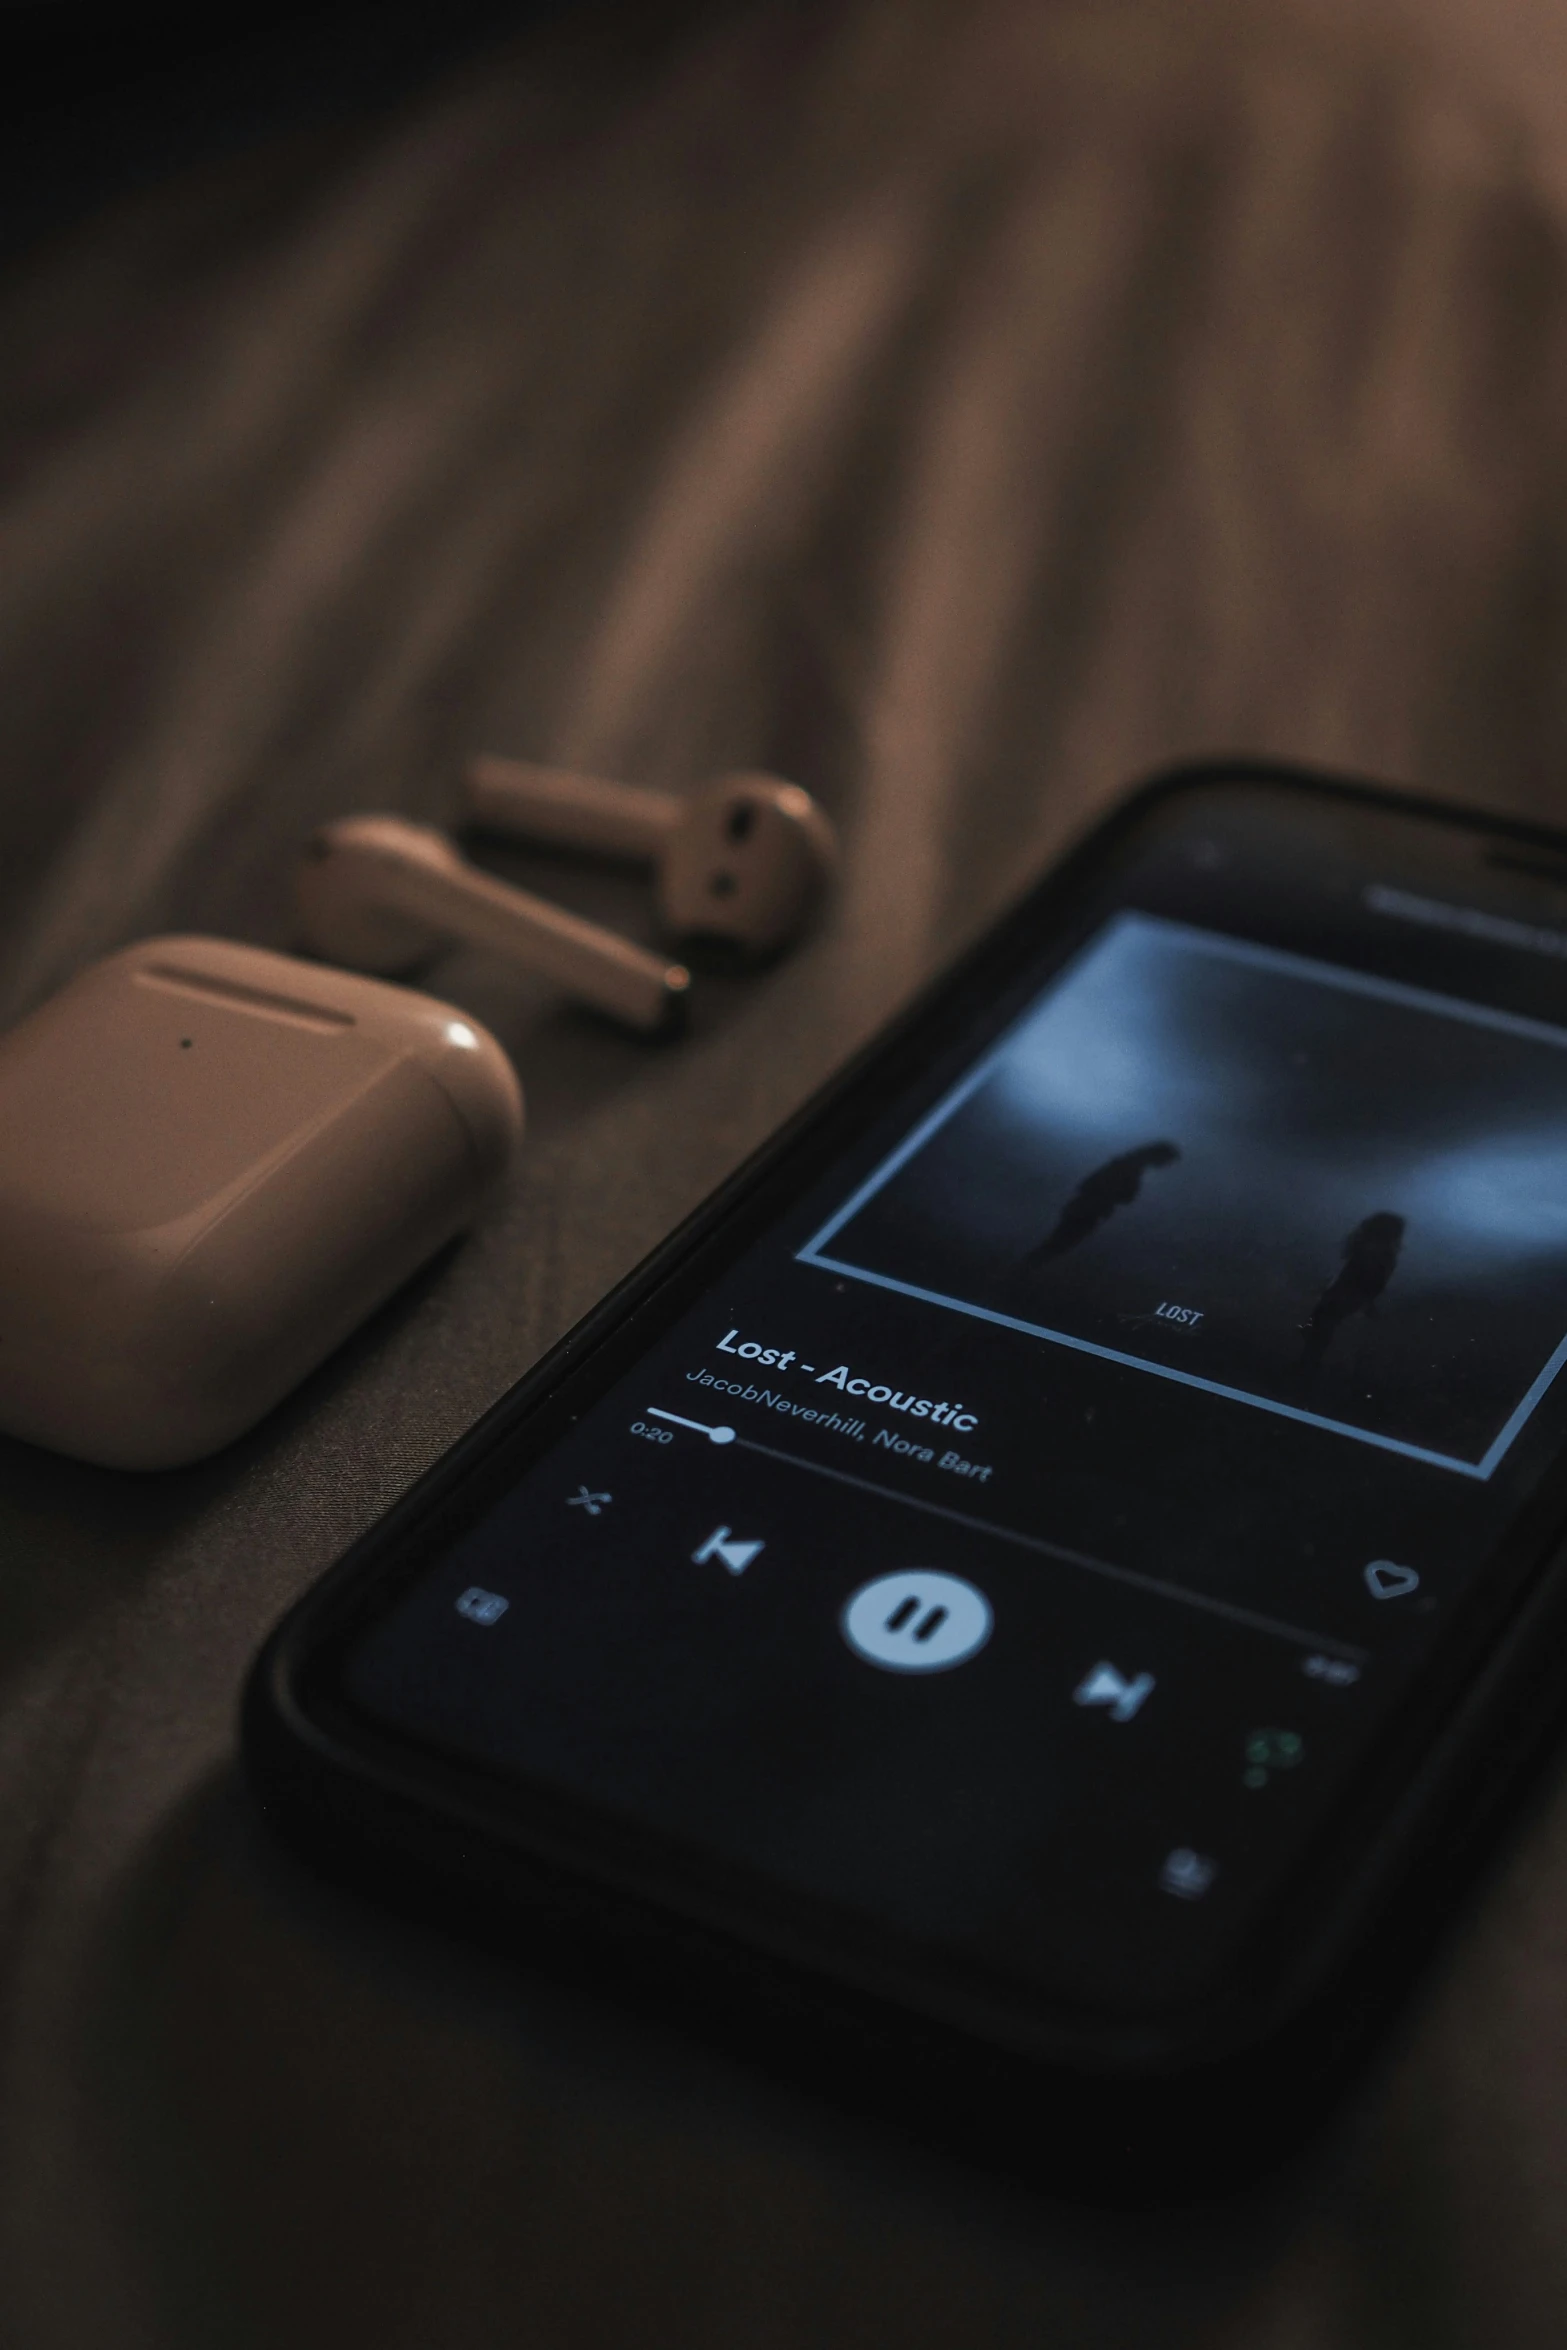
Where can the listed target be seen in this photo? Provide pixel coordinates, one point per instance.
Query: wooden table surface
(963, 408)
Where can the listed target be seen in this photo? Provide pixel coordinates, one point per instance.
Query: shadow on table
(332, 2124)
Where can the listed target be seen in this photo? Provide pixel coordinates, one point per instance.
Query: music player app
(1019, 1545)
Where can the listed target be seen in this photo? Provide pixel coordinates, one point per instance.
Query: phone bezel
(1436, 1757)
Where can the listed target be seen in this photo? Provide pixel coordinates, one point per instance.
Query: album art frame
(1173, 1078)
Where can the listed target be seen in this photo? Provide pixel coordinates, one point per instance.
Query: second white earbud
(382, 894)
(741, 861)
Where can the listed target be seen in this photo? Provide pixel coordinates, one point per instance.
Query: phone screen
(1026, 1538)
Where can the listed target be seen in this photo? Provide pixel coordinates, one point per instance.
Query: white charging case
(214, 1162)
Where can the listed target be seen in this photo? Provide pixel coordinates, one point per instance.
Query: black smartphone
(1058, 1564)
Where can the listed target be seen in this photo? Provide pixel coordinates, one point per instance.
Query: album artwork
(1315, 1191)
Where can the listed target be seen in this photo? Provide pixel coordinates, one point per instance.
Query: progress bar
(1072, 1558)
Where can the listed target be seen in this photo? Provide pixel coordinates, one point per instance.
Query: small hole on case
(741, 821)
(723, 885)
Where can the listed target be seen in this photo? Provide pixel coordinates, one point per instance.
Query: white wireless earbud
(741, 861)
(381, 894)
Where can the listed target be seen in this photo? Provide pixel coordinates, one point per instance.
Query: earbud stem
(609, 972)
(580, 811)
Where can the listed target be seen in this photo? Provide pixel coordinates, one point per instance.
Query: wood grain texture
(961, 408)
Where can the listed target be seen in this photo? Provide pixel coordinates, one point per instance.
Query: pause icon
(917, 1622)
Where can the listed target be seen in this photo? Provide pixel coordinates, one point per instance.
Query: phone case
(1171, 2103)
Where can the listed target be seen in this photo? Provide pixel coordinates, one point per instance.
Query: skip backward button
(727, 1551)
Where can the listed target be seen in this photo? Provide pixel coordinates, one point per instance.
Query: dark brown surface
(961, 408)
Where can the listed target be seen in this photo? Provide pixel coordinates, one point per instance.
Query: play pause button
(917, 1622)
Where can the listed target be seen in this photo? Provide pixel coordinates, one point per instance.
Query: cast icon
(481, 1606)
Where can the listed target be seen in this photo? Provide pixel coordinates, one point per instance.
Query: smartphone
(1049, 1578)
